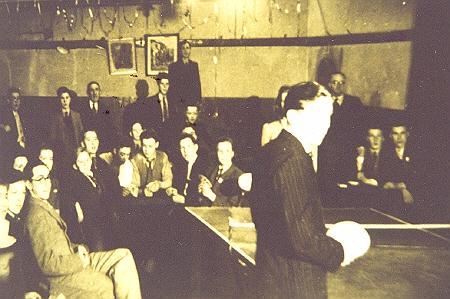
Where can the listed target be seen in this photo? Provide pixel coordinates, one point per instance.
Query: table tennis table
(405, 260)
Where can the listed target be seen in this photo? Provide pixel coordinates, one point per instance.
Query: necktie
(94, 163)
(335, 105)
(20, 135)
(95, 107)
(375, 161)
(165, 109)
(219, 173)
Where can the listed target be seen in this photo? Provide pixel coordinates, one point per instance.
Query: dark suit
(337, 151)
(185, 82)
(293, 253)
(66, 135)
(396, 170)
(371, 165)
(223, 200)
(95, 226)
(8, 140)
(165, 129)
(139, 111)
(179, 170)
(101, 122)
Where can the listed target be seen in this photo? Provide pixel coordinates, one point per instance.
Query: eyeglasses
(338, 82)
(41, 178)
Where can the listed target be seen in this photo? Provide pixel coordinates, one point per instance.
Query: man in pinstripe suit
(293, 251)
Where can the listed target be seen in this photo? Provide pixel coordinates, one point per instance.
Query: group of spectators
(85, 165)
(163, 153)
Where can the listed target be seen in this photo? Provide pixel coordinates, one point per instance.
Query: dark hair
(183, 42)
(62, 90)
(189, 136)
(45, 146)
(162, 75)
(13, 89)
(304, 91)
(336, 73)
(225, 139)
(148, 134)
(279, 98)
(191, 105)
(124, 142)
(14, 175)
(90, 129)
(28, 172)
(90, 83)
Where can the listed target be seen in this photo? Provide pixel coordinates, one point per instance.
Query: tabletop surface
(404, 261)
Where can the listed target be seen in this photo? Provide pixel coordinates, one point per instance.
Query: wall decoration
(160, 51)
(122, 56)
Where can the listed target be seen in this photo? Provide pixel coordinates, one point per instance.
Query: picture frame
(122, 56)
(160, 51)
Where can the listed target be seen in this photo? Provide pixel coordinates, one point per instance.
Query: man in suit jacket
(96, 115)
(210, 186)
(184, 77)
(368, 159)
(164, 112)
(397, 168)
(13, 131)
(69, 268)
(187, 171)
(337, 151)
(293, 252)
(66, 129)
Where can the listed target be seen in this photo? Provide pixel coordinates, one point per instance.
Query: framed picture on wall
(122, 56)
(160, 51)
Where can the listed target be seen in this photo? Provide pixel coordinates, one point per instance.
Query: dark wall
(429, 91)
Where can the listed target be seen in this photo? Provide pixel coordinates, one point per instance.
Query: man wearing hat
(69, 268)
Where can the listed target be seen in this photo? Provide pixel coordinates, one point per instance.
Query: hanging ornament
(111, 21)
(88, 30)
(130, 23)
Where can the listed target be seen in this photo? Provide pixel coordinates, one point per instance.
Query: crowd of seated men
(162, 154)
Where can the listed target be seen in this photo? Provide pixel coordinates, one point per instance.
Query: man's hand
(7, 128)
(171, 191)
(84, 256)
(371, 182)
(407, 196)
(32, 295)
(125, 192)
(80, 215)
(208, 193)
(178, 198)
(389, 185)
(153, 186)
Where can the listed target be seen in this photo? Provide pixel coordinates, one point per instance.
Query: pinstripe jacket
(293, 252)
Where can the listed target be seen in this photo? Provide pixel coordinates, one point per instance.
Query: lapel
(51, 211)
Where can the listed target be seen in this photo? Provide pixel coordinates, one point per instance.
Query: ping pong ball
(353, 237)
